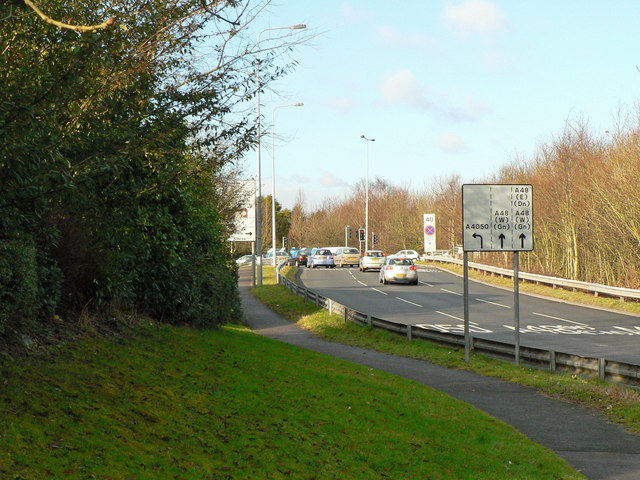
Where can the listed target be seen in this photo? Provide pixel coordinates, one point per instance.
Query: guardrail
(554, 361)
(597, 289)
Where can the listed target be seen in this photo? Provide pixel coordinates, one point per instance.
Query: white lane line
(379, 291)
(450, 316)
(425, 283)
(407, 301)
(493, 303)
(449, 291)
(561, 319)
(361, 283)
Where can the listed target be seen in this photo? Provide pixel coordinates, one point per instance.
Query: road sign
(429, 232)
(497, 218)
(245, 219)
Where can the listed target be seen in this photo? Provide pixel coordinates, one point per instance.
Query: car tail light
(413, 267)
(389, 267)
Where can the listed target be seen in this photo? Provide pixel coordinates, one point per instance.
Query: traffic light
(349, 232)
(375, 239)
(285, 241)
(361, 235)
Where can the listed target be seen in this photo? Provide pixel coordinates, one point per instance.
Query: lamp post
(273, 167)
(259, 202)
(366, 207)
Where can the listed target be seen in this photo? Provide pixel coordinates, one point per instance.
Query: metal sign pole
(516, 302)
(467, 339)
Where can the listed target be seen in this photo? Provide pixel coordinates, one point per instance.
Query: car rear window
(374, 254)
(324, 252)
(350, 250)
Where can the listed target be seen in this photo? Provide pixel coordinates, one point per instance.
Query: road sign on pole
(497, 218)
(429, 232)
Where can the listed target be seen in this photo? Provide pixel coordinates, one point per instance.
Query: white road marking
(450, 316)
(561, 319)
(362, 283)
(379, 291)
(449, 291)
(407, 301)
(493, 303)
(427, 284)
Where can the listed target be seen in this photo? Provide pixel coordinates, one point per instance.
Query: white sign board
(497, 218)
(429, 230)
(245, 220)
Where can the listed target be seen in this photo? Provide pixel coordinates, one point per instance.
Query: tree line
(586, 208)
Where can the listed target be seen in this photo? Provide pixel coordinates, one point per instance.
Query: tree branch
(78, 28)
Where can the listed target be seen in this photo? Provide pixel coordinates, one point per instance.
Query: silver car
(399, 270)
(321, 257)
(372, 260)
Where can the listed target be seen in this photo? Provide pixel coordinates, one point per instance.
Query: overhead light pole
(273, 166)
(259, 201)
(366, 202)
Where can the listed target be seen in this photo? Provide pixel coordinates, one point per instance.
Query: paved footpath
(592, 445)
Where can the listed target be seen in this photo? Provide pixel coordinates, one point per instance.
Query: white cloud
(329, 180)
(391, 36)
(475, 17)
(451, 143)
(402, 87)
(342, 104)
(356, 15)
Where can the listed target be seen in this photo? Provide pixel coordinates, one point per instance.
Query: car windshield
(400, 261)
(374, 254)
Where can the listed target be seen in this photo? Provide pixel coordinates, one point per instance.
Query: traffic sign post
(497, 218)
(429, 232)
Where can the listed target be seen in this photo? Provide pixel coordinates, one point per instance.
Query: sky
(445, 87)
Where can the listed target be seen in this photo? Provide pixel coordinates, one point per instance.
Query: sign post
(429, 232)
(497, 218)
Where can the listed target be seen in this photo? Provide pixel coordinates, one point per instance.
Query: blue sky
(445, 87)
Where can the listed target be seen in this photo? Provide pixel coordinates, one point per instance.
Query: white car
(399, 270)
(245, 260)
(412, 254)
(372, 260)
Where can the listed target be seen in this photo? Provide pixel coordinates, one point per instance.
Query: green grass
(619, 403)
(174, 403)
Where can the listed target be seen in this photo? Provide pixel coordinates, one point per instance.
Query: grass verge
(175, 403)
(619, 403)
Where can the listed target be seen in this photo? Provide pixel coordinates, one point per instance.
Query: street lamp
(366, 207)
(259, 203)
(273, 166)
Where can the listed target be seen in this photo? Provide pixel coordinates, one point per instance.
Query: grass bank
(619, 403)
(175, 403)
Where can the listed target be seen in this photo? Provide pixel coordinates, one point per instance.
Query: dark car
(300, 258)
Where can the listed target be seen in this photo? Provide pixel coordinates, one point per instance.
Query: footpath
(595, 447)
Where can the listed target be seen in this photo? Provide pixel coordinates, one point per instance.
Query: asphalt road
(437, 302)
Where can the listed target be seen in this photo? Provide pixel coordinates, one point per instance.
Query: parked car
(281, 256)
(300, 257)
(321, 257)
(412, 254)
(399, 270)
(347, 256)
(372, 260)
(245, 260)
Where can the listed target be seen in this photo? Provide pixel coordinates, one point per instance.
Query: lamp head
(299, 26)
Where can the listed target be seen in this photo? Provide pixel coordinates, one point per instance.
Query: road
(437, 302)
